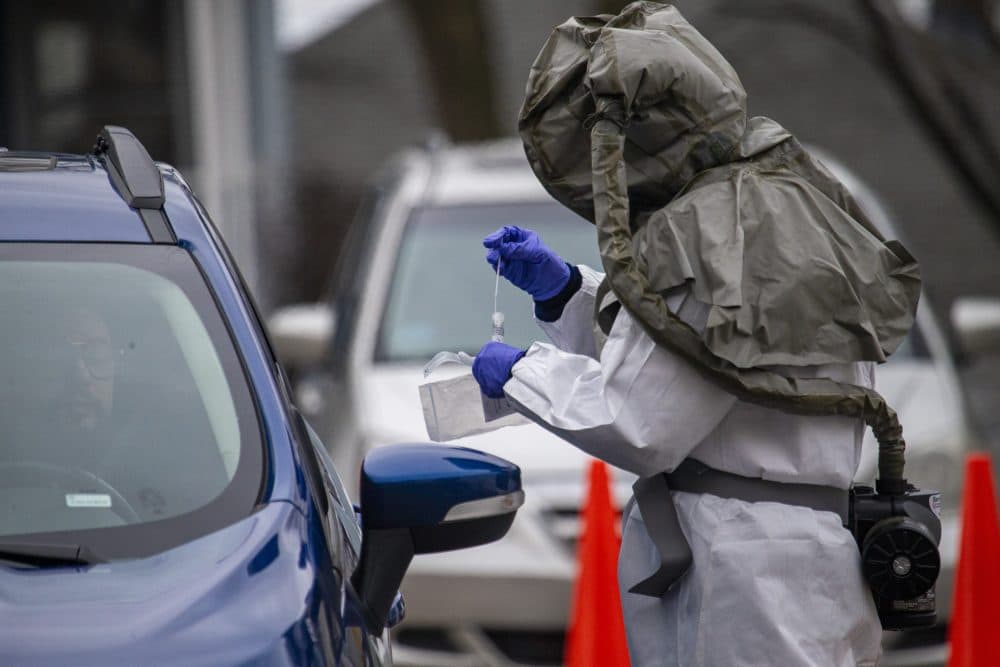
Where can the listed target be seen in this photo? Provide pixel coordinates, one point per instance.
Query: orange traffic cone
(973, 635)
(596, 635)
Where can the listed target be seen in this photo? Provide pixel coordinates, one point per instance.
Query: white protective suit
(771, 584)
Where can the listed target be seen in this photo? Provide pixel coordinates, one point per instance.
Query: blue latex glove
(526, 262)
(492, 365)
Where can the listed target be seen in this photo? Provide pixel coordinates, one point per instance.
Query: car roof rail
(136, 178)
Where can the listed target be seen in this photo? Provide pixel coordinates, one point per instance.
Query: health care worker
(754, 252)
(770, 584)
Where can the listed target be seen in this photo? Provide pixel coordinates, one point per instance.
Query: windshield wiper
(48, 555)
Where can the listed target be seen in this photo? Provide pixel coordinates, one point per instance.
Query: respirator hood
(637, 123)
(685, 108)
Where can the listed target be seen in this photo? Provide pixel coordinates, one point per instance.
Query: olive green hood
(638, 124)
(685, 104)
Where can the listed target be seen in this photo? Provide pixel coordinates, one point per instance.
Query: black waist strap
(652, 495)
(696, 477)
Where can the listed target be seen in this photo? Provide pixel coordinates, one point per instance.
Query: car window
(123, 400)
(442, 291)
(913, 346)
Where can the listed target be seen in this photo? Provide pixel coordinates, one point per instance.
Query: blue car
(162, 501)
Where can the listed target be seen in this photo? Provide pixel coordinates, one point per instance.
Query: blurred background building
(198, 82)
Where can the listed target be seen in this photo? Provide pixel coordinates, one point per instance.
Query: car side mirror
(976, 321)
(302, 334)
(419, 499)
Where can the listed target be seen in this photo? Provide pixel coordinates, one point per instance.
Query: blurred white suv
(415, 282)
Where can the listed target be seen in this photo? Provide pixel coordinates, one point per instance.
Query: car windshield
(123, 400)
(442, 291)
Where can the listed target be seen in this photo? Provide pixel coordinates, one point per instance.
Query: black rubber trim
(157, 225)
(551, 310)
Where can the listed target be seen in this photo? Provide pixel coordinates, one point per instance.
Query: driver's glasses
(98, 356)
(56, 359)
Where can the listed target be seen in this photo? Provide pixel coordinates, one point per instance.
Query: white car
(416, 283)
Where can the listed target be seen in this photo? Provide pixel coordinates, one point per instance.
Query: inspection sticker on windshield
(88, 500)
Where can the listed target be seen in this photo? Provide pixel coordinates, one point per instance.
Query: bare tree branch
(955, 99)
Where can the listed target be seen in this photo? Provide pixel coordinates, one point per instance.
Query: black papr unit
(898, 535)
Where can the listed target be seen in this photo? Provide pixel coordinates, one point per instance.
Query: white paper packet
(454, 406)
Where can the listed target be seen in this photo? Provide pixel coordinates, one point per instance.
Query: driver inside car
(84, 400)
(88, 417)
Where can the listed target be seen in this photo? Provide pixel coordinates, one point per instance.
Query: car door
(343, 535)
